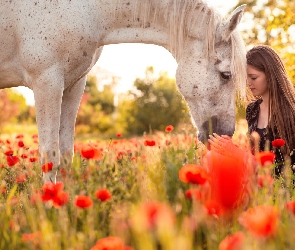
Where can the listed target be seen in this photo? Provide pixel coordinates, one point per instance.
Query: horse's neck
(129, 26)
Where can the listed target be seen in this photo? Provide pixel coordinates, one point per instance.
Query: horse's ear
(227, 27)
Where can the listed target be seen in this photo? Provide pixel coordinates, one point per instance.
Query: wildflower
(21, 144)
(193, 194)
(50, 190)
(169, 128)
(47, 167)
(12, 160)
(21, 178)
(119, 135)
(278, 143)
(265, 180)
(261, 221)
(265, 157)
(20, 136)
(194, 174)
(233, 241)
(103, 194)
(55, 193)
(60, 199)
(231, 179)
(150, 215)
(33, 159)
(34, 136)
(90, 152)
(2, 190)
(213, 207)
(24, 156)
(34, 238)
(149, 143)
(83, 201)
(109, 243)
(290, 206)
(13, 201)
(8, 152)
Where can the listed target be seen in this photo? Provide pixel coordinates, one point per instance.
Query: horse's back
(35, 35)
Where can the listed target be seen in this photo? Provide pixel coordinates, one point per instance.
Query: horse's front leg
(48, 90)
(69, 109)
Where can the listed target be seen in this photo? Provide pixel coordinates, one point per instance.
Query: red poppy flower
(12, 160)
(2, 190)
(21, 144)
(213, 207)
(169, 128)
(194, 174)
(265, 157)
(8, 152)
(35, 136)
(119, 135)
(233, 241)
(90, 152)
(50, 190)
(24, 156)
(83, 201)
(261, 221)
(149, 143)
(290, 206)
(278, 143)
(21, 178)
(20, 136)
(33, 159)
(231, 178)
(60, 199)
(47, 167)
(265, 180)
(103, 194)
(32, 237)
(194, 194)
(109, 243)
(153, 214)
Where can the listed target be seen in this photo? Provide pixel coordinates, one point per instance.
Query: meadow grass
(148, 209)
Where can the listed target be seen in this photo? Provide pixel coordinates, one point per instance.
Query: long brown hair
(281, 93)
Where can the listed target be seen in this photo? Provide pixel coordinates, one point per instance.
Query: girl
(271, 114)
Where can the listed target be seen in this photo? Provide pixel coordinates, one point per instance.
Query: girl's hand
(220, 143)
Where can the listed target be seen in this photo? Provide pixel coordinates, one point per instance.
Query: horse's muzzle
(214, 125)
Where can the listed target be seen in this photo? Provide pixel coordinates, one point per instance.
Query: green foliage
(96, 110)
(155, 104)
(134, 174)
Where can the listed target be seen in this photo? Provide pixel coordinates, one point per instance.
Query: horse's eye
(225, 75)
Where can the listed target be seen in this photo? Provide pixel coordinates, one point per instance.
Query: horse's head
(211, 68)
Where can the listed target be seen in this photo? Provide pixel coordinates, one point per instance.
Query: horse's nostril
(210, 125)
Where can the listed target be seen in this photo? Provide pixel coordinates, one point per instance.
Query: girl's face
(256, 81)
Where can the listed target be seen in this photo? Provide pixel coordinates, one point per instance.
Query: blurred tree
(155, 104)
(13, 107)
(96, 110)
(272, 23)
(104, 98)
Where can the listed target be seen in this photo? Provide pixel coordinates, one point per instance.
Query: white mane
(185, 15)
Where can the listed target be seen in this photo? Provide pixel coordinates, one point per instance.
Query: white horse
(50, 46)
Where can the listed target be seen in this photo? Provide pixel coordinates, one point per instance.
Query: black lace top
(252, 115)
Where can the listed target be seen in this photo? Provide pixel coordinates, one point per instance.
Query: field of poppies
(160, 191)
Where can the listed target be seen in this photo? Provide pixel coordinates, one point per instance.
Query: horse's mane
(177, 15)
